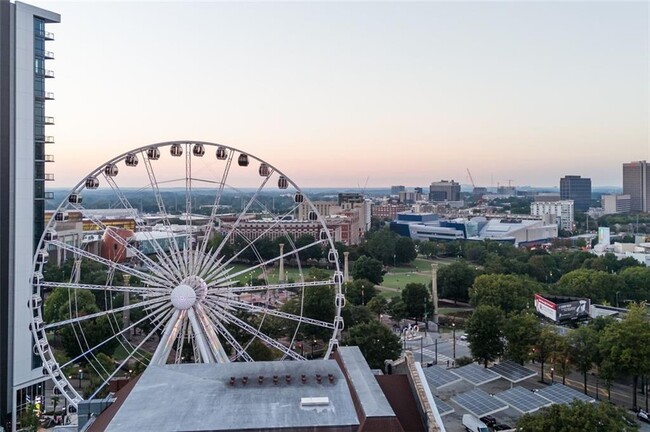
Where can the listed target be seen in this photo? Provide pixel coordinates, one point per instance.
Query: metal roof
(200, 397)
(372, 398)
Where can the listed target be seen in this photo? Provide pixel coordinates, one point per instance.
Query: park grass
(399, 280)
(291, 272)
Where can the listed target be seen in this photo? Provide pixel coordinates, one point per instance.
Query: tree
(637, 284)
(356, 314)
(484, 330)
(381, 246)
(428, 248)
(520, 331)
(360, 291)
(369, 269)
(545, 347)
(508, 292)
(397, 309)
(597, 285)
(378, 305)
(626, 346)
(579, 416)
(417, 299)
(455, 279)
(405, 250)
(376, 342)
(583, 343)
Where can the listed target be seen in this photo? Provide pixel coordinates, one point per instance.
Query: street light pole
(552, 375)
(453, 330)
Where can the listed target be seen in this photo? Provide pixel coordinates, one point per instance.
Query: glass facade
(39, 129)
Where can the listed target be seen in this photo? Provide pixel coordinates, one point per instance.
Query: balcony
(49, 177)
(45, 35)
(46, 139)
(43, 95)
(45, 120)
(46, 73)
(47, 55)
(49, 158)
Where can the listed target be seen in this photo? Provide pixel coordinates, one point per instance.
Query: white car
(463, 337)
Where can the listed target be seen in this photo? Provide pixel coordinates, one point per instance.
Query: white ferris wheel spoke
(271, 287)
(164, 269)
(160, 312)
(272, 260)
(249, 243)
(146, 291)
(128, 357)
(273, 312)
(127, 205)
(216, 349)
(148, 278)
(103, 313)
(171, 240)
(215, 205)
(241, 215)
(255, 332)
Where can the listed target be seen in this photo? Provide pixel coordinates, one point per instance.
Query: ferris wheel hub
(183, 297)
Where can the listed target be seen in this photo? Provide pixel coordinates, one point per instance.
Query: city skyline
(337, 94)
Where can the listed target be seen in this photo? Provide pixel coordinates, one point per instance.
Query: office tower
(578, 189)
(444, 191)
(23, 140)
(612, 204)
(636, 180)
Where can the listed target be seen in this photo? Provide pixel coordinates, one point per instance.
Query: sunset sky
(335, 93)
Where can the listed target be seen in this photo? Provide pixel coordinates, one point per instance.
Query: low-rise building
(613, 204)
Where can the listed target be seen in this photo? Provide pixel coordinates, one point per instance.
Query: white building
(560, 212)
(23, 140)
(615, 204)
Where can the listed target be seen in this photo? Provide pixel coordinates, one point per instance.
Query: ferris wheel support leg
(199, 338)
(167, 339)
(215, 345)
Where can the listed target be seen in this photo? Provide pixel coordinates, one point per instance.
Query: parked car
(643, 416)
(489, 421)
(463, 337)
(502, 427)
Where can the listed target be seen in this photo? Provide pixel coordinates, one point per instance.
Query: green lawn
(399, 280)
(292, 273)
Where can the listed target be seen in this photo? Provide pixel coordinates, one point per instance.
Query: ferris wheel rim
(164, 290)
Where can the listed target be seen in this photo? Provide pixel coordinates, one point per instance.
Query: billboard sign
(545, 307)
(573, 310)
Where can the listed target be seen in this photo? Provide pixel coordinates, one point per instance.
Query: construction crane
(479, 201)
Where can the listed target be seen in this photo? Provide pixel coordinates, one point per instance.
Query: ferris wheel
(186, 261)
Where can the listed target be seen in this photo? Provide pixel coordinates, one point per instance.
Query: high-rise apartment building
(560, 212)
(578, 189)
(444, 191)
(23, 139)
(636, 179)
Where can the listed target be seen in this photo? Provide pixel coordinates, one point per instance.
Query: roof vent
(331, 378)
(275, 379)
(244, 380)
(232, 381)
(260, 379)
(318, 378)
(303, 378)
(314, 401)
(288, 378)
